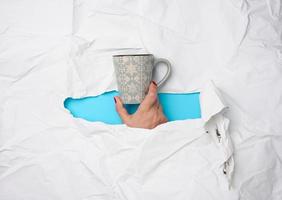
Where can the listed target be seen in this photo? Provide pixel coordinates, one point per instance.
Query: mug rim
(145, 54)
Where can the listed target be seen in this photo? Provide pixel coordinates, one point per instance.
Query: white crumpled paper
(50, 50)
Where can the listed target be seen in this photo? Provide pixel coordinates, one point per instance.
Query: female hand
(149, 113)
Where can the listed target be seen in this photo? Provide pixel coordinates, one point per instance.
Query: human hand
(149, 113)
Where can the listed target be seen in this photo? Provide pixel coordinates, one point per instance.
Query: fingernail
(154, 83)
(115, 100)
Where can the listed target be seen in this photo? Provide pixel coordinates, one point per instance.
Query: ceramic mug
(134, 74)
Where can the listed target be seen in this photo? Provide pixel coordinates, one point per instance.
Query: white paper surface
(50, 50)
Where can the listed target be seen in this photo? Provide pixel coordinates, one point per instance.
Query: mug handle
(168, 65)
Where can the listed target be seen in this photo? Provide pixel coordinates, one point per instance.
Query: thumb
(121, 110)
(151, 98)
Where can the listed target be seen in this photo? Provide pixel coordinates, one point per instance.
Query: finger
(121, 110)
(151, 97)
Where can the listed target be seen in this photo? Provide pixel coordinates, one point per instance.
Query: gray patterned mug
(134, 74)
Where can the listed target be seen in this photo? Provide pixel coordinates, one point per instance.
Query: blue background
(102, 107)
